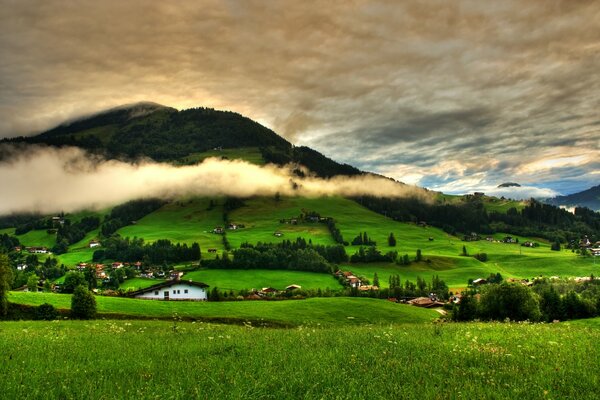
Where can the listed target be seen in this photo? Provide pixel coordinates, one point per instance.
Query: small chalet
(509, 239)
(366, 288)
(293, 287)
(173, 290)
(267, 290)
(479, 281)
(218, 230)
(117, 265)
(94, 243)
(278, 234)
(353, 281)
(37, 250)
(232, 227)
(81, 266)
(595, 252)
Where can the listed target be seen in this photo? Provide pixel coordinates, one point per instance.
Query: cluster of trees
(535, 219)
(159, 252)
(48, 270)
(335, 232)
(544, 301)
(371, 254)
(127, 213)
(421, 288)
(363, 239)
(8, 243)
(69, 233)
(294, 255)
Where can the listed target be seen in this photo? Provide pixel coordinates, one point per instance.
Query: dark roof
(167, 284)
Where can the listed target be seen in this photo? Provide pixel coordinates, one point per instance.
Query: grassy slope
(184, 221)
(155, 359)
(259, 278)
(326, 311)
(261, 217)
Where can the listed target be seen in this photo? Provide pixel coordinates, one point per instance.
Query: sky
(454, 96)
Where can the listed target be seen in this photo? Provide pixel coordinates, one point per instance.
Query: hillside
(182, 137)
(589, 198)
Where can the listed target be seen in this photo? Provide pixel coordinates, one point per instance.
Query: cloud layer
(50, 180)
(432, 92)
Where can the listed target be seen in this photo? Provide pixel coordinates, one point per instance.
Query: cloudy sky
(451, 95)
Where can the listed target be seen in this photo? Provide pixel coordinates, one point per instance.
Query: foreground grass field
(325, 311)
(154, 359)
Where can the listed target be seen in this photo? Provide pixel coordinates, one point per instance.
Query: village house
(479, 281)
(366, 288)
(595, 252)
(94, 243)
(117, 265)
(267, 290)
(278, 234)
(81, 266)
(509, 239)
(293, 287)
(173, 290)
(425, 302)
(218, 230)
(37, 250)
(175, 275)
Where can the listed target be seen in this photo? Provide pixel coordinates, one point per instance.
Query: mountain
(167, 135)
(508, 184)
(589, 198)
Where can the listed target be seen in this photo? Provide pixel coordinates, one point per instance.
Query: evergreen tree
(419, 255)
(375, 280)
(391, 240)
(464, 251)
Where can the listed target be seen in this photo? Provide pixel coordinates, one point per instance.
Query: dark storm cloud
(413, 89)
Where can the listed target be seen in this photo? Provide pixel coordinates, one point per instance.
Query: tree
(83, 303)
(513, 301)
(32, 283)
(466, 309)
(464, 251)
(6, 277)
(419, 255)
(375, 280)
(391, 240)
(555, 246)
(72, 280)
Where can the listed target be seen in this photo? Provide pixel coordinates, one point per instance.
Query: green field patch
(183, 221)
(235, 279)
(325, 311)
(261, 218)
(38, 238)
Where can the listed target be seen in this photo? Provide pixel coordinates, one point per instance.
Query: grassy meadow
(177, 360)
(325, 311)
(192, 220)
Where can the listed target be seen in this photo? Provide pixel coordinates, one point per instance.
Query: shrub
(83, 303)
(46, 312)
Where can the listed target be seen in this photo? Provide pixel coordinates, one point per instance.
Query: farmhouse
(94, 243)
(37, 250)
(173, 290)
(218, 230)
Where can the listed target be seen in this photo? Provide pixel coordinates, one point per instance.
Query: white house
(173, 290)
(94, 243)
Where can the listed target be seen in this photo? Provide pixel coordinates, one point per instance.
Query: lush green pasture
(37, 238)
(237, 279)
(184, 221)
(159, 359)
(139, 283)
(261, 217)
(325, 311)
